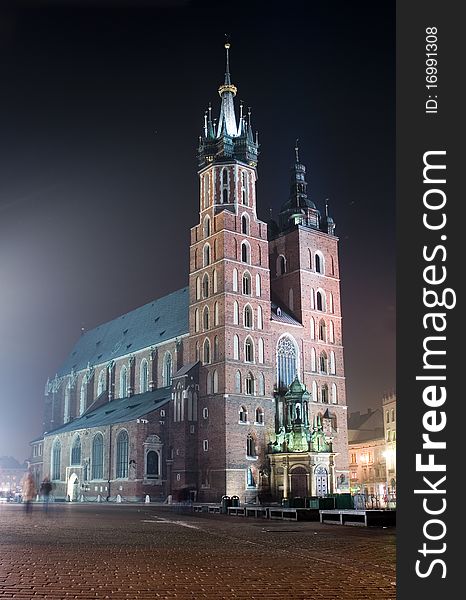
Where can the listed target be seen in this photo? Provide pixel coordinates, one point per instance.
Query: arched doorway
(72, 488)
(321, 480)
(299, 482)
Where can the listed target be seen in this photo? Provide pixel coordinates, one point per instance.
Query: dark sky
(101, 105)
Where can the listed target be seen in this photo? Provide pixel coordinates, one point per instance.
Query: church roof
(148, 325)
(280, 315)
(118, 411)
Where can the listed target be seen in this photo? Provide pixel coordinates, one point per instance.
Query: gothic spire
(227, 122)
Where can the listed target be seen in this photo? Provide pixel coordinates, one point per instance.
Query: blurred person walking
(29, 491)
(45, 489)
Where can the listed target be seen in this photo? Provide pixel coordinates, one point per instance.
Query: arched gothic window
(281, 265)
(215, 278)
(238, 382)
(331, 333)
(244, 187)
(323, 363)
(250, 446)
(290, 299)
(261, 350)
(249, 384)
(215, 382)
(206, 255)
(123, 382)
(97, 468)
(66, 408)
(320, 300)
(216, 356)
(122, 455)
(56, 460)
(167, 369)
(225, 191)
(205, 285)
(144, 376)
(206, 226)
(245, 224)
(324, 394)
(76, 451)
(235, 280)
(247, 284)
(260, 321)
(216, 317)
(235, 313)
(319, 262)
(101, 384)
(261, 381)
(332, 363)
(313, 360)
(248, 316)
(322, 331)
(334, 394)
(198, 288)
(287, 361)
(249, 350)
(236, 347)
(258, 285)
(205, 318)
(245, 253)
(83, 396)
(196, 320)
(206, 352)
(259, 416)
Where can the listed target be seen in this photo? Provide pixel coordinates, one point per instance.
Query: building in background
(233, 385)
(389, 424)
(11, 477)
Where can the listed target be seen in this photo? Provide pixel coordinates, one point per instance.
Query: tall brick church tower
(244, 317)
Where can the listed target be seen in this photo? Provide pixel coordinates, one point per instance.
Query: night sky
(101, 106)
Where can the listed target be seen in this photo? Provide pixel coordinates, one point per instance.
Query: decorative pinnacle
(227, 86)
(296, 149)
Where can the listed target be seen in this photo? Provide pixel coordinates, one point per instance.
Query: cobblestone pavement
(149, 552)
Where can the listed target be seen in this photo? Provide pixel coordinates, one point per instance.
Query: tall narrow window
(260, 321)
(101, 384)
(144, 377)
(206, 226)
(205, 285)
(152, 464)
(238, 382)
(215, 382)
(323, 365)
(216, 356)
(259, 416)
(198, 288)
(235, 280)
(245, 224)
(215, 278)
(206, 255)
(225, 192)
(324, 394)
(320, 301)
(334, 394)
(244, 188)
(332, 363)
(249, 384)
(205, 318)
(97, 468)
(206, 352)
(290, 299)
(258, 285)
(249, 350)
(250, 446)
(248, 316)
(235, 313)
(122, 455)
(236, 347)
(196, 320)
(314, 392)
(243, 414)
(206, 190)
(209, 383)
(123, 382)
(56, 460)
(167, 369)
(76, 451)
(247, 284)
(287, 361)
(281, 265)
(313, 328)
(245, 253)
(66, 408)
(322, 331)
(216, 318)
(83, 396)
(260, 352)
(331, 332)
(261, 382)
(331, 307)
(313, 360)
(319, 262)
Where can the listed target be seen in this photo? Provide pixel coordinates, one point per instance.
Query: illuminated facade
(233, 385)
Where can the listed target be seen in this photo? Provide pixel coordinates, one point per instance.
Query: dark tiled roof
(156, 322)
(278, 314)
(118, 411)
(365, 427)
